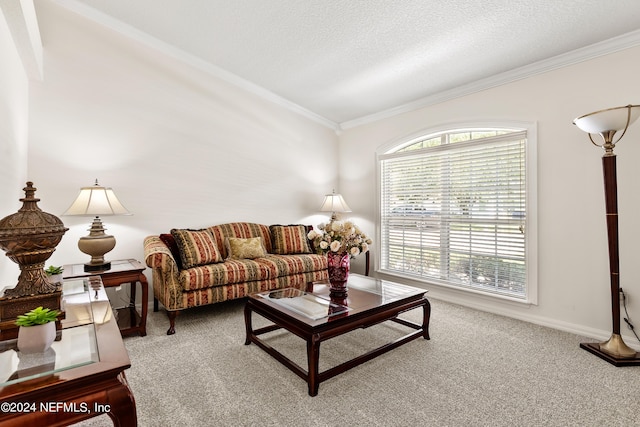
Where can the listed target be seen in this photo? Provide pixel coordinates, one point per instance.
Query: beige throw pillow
(250, 248)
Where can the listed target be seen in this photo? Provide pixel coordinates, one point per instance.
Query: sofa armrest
(166, 275)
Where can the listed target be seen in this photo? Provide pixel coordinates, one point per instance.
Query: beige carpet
(478, 369)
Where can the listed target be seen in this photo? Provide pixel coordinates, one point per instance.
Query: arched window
(456, 210)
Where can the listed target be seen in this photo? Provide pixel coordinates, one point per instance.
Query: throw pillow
(250, 248)
(289, 239)
(169, 240)
(196, 247)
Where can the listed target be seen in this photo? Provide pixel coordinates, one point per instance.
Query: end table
(81, 376)
(121, 271)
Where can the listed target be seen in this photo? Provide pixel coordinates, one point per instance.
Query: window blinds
(455, 213)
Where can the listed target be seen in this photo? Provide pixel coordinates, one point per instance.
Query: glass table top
(317, 305)
(305, 303)
(85, 304)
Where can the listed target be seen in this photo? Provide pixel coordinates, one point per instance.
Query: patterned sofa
(191, 268)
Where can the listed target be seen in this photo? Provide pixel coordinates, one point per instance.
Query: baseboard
(514, 310)
(519, 314)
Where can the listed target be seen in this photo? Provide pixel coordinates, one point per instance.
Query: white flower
(340, 237)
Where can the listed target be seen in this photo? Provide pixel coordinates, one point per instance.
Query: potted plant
(37, 330)
(54, 274)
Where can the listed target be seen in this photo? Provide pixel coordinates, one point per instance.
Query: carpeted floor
(478, 369)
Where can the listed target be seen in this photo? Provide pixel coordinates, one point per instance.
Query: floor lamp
(606, 123)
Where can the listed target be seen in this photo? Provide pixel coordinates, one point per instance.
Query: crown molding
(186, 58)
(605, 47)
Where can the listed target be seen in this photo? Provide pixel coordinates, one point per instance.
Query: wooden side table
(130, 321)
(81, 376)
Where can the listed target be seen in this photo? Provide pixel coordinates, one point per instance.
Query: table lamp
(96, 201)
(607, 123)
(335, 204)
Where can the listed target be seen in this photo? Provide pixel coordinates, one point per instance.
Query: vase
(54, 278)
(338, 265)
(36, 339)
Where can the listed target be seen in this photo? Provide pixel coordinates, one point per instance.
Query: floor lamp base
(594, 348)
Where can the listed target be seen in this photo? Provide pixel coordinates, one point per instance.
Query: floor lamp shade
(607, 123)
(96, 201)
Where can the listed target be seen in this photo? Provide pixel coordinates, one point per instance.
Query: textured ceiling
(344, 60)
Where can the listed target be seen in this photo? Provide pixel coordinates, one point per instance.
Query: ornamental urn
(29, 237)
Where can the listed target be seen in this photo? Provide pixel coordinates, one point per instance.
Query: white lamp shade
(612, 119)
(96, 200)
(334, 203)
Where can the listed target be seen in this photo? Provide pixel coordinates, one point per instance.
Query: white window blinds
(453, 210)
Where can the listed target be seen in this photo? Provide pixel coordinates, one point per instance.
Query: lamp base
(89, 267)
(594, 348)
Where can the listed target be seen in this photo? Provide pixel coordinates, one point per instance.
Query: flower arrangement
(339, 237)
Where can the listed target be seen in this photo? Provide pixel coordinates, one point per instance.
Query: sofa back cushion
(242, 230)
(197, 247)
(289, 239)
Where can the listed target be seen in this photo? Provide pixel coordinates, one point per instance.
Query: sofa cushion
(285, 265)
(248, 270)
(289, 239)
(170, 241)
(242, 230)
(197, 247)
(250, 248)
(229, 272)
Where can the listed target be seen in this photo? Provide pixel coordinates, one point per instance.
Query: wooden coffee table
(316, 317)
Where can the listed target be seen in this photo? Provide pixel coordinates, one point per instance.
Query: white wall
(573, 292)
(183, 149)
(13, 139)
(180, 147)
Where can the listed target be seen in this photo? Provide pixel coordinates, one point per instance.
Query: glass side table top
(85, 303)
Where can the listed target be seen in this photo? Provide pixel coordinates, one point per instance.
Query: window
(455, 210)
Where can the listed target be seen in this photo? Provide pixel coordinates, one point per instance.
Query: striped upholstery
(178, 289)
(248, 270)
(289, 239)
(196, 247)
(242, 230)
(240, 290)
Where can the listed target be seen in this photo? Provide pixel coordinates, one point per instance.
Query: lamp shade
(334, 203)
(96, 200)
(611, 119)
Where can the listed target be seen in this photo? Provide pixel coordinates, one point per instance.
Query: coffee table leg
(313, 356)
(426, 315)
(247, 323)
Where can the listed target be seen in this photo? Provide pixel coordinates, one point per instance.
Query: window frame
(531, 243)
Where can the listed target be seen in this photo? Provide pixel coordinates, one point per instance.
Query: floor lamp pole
(614, 350)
